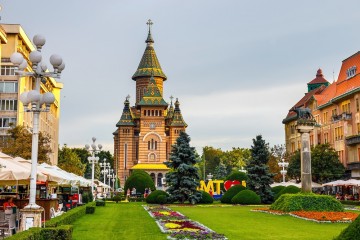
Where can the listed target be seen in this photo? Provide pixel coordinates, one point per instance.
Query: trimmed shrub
(289, 189)
(348, 202)
(87, 197)
(206, 198)
(246, 197)
(31, 234)
(307, 202)
(153, 196)
(229, 194)
(140, 180)
(69, 217)
(117, 198)
(277, 189)
(90, 210)
(63, 232)
(100, 203)
(161, 199)
(351, 232)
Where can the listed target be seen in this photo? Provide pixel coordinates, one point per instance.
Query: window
(357, 105)
(155, 145)
(292, 147)
(136, 150)
(339, 133)
(148, 145)
(156, 112)
(125, 155)
(7, 71)
(160, 113)
(8, 87)
(8, 105)
(144, 112)
(351, 72)
(326, 137)
(152, 157)
(325, 117)
(334, 112)
(152, 175)
(5, 122)
(159, 179)
(345, 106)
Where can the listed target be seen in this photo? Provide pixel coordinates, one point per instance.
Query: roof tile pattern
(126, 117)
(152, 96)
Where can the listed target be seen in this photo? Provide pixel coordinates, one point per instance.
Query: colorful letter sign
(210, 185)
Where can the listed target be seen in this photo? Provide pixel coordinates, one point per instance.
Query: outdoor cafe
(56, 190)
(347, 190)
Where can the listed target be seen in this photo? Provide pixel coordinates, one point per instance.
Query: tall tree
(277, 152)
(259, 175)
(20, 141)
(220, 171)
(294, 167)
(212, 158)
(183, 178)
(325, 163)
(236, 158)
(69, 161)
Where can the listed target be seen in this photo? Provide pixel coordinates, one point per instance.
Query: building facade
(11, 86)
(336, 109)
(147, 130)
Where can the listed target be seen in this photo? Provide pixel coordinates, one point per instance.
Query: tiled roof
(152, 96)
(344, 84)
(319, 78)
(305, 99)
(177, 118)
(149, 63)
(126, 117)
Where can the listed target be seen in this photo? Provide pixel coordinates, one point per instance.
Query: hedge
(351, 232)
(288, 189)
(63, 232)
(277, 189)
(153, 196)
(90, 210)
(229, 194)
(246, 197)
(68, 217)
(161, 199)
(206, 198)
(100, 203)
(307, 202)
(347, 202)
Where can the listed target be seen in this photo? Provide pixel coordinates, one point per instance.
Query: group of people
(347, 197)
(132, 192)
(9, 203)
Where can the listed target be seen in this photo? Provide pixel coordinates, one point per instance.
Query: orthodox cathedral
(147, 130)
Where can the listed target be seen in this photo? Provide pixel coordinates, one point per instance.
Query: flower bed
(321, 217)
(179, 226)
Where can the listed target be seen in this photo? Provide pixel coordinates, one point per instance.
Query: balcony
(344, 116)
(352, 140)
(353, 166)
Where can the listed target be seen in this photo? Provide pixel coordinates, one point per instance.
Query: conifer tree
(220, 171)
(183, 178)
(259, 175)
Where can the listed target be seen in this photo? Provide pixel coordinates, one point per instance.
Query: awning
(150, 166)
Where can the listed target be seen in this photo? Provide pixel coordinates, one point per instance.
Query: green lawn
(238, 222)
(117, 221)
(131, 221)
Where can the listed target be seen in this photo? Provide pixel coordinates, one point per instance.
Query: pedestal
(31, 217)
(306, 180)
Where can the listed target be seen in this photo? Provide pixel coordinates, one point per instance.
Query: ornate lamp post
(37, 100)
(110, 176)
(113, 181)
(209, 177)
(283, 165)
(106, 166)
(92, 159)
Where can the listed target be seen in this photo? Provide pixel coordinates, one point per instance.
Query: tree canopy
(69, 161)
(20, 141)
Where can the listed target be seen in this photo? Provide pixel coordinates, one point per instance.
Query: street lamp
(105, 165)
(36, 99)
(113, 181)
(110, 175)
(209, 177)
(92, 159)
(283, 165)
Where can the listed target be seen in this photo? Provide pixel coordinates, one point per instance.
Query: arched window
(144, 112)
(152, 157)
(160, 113)
(148, 112)
(153, 177)
(159, 178)
(156, 112)
(155, 145)
(152, 112)
(148, 145)
(152, 144)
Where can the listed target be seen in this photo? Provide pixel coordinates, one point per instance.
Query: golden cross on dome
(127, 97)
(149, 23)
(171, 98)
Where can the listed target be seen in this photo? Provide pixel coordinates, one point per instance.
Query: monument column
(304, 128)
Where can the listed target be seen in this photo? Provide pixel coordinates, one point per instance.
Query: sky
(236, 66)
